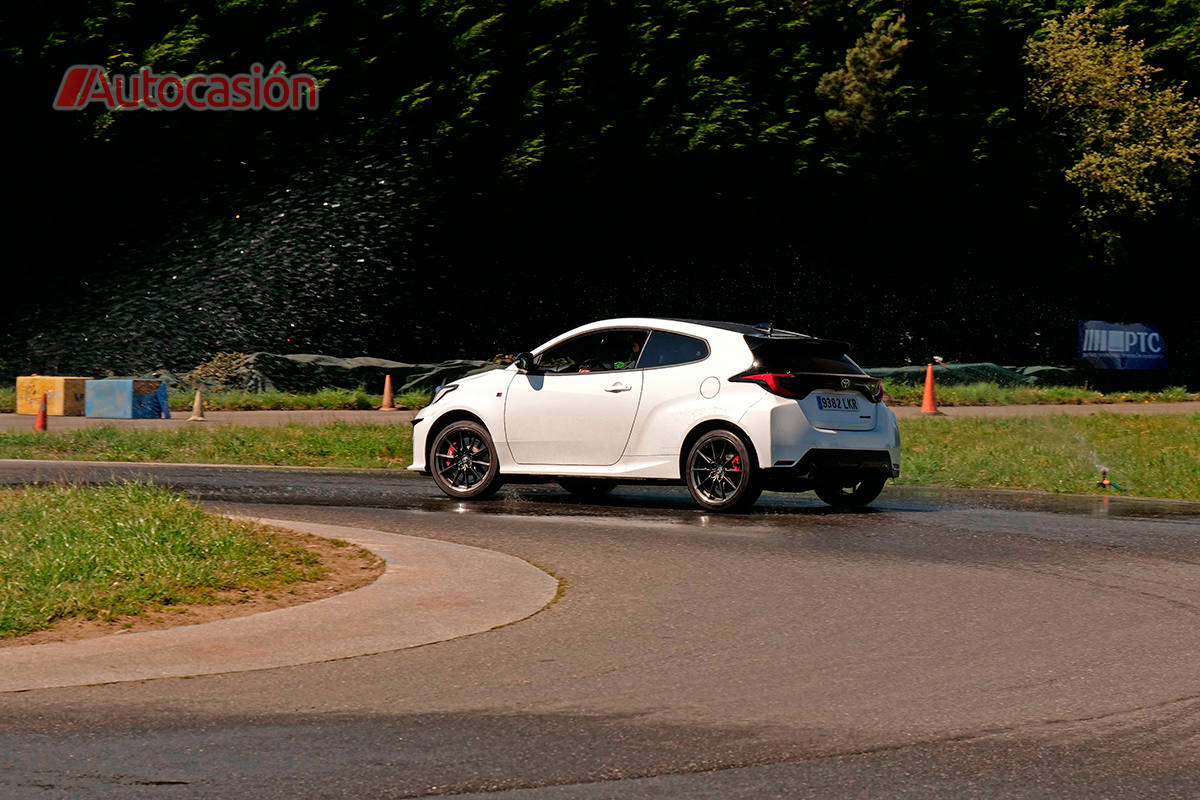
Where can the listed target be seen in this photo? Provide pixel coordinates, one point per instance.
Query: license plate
(827, 402)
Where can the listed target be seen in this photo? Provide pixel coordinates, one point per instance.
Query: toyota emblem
(845, 383)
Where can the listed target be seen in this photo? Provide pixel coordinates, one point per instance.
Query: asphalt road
(938, 645)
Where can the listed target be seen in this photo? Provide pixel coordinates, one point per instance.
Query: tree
(1132, 146)
(864, 89)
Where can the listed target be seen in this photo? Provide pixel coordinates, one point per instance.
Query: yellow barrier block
(65, 396)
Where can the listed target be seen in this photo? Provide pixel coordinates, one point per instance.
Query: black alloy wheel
(463, 461)
(719, 472)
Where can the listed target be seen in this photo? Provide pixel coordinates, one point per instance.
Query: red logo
(255, 90)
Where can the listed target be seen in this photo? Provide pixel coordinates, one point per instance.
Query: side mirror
(525, 363)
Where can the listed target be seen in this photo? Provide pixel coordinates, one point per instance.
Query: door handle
(618, 387)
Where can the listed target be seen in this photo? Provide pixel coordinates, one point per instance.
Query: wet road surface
(936, 645)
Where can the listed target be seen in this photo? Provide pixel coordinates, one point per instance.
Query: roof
(743, 332)
(760, 329)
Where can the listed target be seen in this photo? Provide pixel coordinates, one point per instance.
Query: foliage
(863, 89)
(1135, 144)
(576, 159)
(217, 371)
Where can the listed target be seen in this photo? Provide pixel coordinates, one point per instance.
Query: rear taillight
(773, 382)
(798, 385)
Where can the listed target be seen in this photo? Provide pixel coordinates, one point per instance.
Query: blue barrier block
(125, 398)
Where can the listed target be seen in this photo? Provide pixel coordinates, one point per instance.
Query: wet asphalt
(937, 644)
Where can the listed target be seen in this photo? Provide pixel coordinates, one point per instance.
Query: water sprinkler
(1105, 483)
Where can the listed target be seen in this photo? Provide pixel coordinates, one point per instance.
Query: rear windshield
(823, 356)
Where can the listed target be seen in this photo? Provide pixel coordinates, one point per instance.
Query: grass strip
(105, 552)
(323, 400)
(1148, 456)
(336, 444)
(990, 394)
(902, 394)
(236, 400)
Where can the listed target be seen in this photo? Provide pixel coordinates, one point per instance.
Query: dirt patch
(348, 567)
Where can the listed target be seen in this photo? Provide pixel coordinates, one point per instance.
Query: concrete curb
(431, 591)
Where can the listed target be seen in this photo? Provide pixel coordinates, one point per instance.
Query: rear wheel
(589, 488)
(463, 461)
(719, 472)
(854, 493)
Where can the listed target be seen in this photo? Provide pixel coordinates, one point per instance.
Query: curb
(431, 591)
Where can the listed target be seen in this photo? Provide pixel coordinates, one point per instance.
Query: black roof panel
(742, 328)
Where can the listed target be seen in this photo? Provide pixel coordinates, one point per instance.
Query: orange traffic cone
(39, 423)
(929, 401)
(389, 403)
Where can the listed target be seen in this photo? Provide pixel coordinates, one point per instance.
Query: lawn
(990, 394)
(106, 552)
(336, 444)
(1148, 456)
(974, 394)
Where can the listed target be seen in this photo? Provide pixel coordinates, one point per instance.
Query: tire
(590, 488)
(463, 461)
(856, 494)
(720, 473)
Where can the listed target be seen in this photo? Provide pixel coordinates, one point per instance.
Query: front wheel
(463, 461)
(719, 472)
(854, 494)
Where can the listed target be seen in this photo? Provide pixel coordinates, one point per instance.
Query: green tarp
(305, 372)
(979, 372)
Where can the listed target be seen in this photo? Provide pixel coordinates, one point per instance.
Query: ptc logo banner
(1117, 345)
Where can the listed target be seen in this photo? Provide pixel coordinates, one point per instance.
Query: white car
(725, 408)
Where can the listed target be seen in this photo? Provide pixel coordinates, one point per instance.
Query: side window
(665, 349)
(598, 351)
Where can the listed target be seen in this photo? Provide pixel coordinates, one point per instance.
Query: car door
(578, 408)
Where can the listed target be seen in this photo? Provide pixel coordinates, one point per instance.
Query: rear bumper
(785, 439)
(831, 465)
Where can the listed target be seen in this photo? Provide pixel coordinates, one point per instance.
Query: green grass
(105, 552)
(1148, 456)
(235, 400)
(990, 394)
(336, 444)
(323, 400)
(417, 398)
(1152, 456)
(975, 394)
